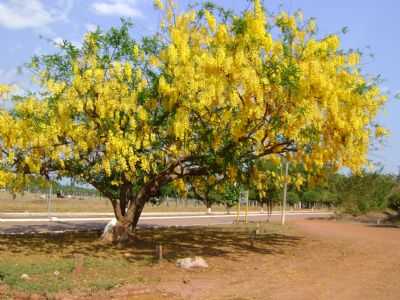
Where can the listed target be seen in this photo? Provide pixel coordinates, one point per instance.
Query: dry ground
(310, 259)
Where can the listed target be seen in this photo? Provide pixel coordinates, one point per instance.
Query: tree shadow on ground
(227, 241)
(385, 225)
(324, 218)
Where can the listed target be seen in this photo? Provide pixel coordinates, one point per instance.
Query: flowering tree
(207, 96)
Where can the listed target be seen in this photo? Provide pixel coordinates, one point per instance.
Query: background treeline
(61, 188)
(354, 194)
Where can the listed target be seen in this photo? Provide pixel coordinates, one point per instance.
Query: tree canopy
(210, 94)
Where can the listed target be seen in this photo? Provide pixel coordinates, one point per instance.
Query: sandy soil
(320, 260)
(331, 261)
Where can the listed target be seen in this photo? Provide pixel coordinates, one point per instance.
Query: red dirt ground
(333, 261)
(321, 260)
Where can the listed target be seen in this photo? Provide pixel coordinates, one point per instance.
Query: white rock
(25, 277)
(185, 263)
(108, 230)
(189, 263)
(114, 232)
(199, 262)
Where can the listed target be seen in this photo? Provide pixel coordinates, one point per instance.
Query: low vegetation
(355, 194)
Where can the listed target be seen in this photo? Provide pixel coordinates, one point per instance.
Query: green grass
(81, 260)
(40, 271)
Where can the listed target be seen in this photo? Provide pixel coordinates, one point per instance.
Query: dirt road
(19, 224)
(346, 261)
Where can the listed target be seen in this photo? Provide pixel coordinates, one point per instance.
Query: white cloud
(91, 27)
(58, 41)
(125, 8)
(20, 14)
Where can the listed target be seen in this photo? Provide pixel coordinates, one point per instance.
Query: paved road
(39, 223)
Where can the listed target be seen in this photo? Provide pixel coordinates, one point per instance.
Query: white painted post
(283, 216)
(49, 200)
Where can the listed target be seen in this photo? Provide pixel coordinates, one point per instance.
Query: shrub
(310, 197)
(394, 201)
(293, 198)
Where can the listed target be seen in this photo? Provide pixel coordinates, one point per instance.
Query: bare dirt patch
(330, 260)
(310, 259)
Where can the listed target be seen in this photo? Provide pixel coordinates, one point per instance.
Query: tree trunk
(126, 221)
(129, 206)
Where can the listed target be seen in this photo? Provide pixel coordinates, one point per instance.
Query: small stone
(199, 262)
(25, 277)
(188, 263)
(184, 263)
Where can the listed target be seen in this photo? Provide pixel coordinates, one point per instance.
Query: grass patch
(40, 271)
(65, 262)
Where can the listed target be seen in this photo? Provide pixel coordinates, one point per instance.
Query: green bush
(293, 198)
(394, 201)
(358, 194)
(310, 197)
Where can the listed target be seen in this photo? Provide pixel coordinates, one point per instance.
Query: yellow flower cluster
(245, 86)
(226, 94)
(4, 89)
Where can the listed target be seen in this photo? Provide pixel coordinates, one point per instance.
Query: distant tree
(394, 200)
(310, 198)
(293, 198)
(364, 192)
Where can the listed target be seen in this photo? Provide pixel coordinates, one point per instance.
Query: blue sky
(373, 27)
